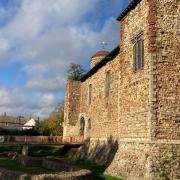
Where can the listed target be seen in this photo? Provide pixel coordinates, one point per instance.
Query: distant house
(29, 124)
(11, 122)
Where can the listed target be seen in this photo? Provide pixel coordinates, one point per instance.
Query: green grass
(42, 151)
(6, 148)
(39, 151)
(15, 166)
(96, 170)
(34, 150)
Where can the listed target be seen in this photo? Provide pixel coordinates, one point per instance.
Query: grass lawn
(7, 148)
(15, 166)
(34, 150)
(96, 170)
(39, 151)
(42, 151)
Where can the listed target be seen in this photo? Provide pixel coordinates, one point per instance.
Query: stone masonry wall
(71, 109)
(167, 69)
(134, 86)
(143, 107)
(143, 160)
(103, 111)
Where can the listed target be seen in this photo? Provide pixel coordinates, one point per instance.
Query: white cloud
(47, 100)
(11, 98)
(4, 46)
(35, 16)
(16, 102)
(46, 85)
(46, 36)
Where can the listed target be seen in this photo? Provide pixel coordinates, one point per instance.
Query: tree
(39, 127)
(54, 123)
(75, 72)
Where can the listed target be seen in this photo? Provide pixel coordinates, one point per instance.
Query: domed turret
(98, 57)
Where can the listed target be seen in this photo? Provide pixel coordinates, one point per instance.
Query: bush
(17, 132)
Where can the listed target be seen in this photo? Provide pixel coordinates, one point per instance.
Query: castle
(131, 96)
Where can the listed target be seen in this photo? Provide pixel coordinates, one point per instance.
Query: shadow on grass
(95, 156)
(15, 166)
(98, 171)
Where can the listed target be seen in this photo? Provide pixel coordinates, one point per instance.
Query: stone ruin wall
(71, 109)
(103, 111)
(167, 69)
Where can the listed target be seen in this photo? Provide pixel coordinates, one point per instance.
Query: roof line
(130, 7)
(100, 64)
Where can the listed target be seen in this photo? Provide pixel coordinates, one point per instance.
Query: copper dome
(101, 53)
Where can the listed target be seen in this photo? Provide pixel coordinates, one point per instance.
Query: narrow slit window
(90, 94)
(138, 55)
(107, 83)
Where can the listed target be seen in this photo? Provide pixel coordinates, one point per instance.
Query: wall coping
(139, 140)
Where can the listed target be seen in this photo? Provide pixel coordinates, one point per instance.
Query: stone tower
(96, 58)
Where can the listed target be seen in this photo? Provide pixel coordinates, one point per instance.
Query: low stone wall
(66, 170)
(29, 161)
(58, 165)
(78, 175)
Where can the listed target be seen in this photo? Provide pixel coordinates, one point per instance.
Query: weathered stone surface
(143, 107)
(168, 69)
(151, 161)
(71, 109)
(77, 175)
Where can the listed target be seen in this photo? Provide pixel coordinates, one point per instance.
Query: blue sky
(38, 41)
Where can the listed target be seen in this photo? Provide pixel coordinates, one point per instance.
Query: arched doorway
(82, 126)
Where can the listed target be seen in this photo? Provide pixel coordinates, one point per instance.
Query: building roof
(29, 124)
(104, 61)
(8, 119)
(13, 119)
(130, 7)
(101, 53)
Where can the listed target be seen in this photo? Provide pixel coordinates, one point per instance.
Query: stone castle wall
(71, 109)
(134, 86)
(142, 110)
(146, 161)
(103, 111)
(167, 69)
(154, 158)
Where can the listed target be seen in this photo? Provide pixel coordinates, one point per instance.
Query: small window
(82, 126)
(138, 55)
(90, 93)
(107, 83)
(89, 124)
